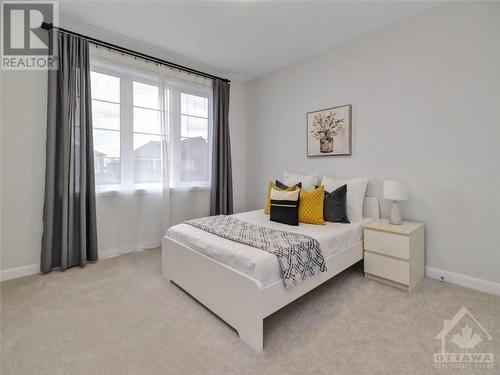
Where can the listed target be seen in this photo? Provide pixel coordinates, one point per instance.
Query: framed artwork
(329, 131)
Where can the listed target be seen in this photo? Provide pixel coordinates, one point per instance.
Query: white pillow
(308, 182)
(356, 189)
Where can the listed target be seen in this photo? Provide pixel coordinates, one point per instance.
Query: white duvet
(258, 263)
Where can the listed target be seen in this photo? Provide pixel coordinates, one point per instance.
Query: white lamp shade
(395, 190)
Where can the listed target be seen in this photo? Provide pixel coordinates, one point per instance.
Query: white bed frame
(240, 300)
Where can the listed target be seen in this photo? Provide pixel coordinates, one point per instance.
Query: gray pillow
(335, 206)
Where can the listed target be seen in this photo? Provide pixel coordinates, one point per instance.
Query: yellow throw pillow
(271, 186)
(311, 206)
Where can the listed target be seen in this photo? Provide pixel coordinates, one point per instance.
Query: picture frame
(329, 131)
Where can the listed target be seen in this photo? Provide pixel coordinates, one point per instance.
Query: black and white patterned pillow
(285, 206)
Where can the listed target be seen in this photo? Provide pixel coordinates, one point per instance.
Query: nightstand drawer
(395, 245)
(388, 268)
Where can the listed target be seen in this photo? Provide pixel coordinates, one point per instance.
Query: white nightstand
(395, 254)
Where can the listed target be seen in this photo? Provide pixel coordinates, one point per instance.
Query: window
(106, 123)
(127, 109)
(147, 133)
(194, 138)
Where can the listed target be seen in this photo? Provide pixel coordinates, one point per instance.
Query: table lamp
(395, 191)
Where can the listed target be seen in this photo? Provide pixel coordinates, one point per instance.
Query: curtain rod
(50, 26)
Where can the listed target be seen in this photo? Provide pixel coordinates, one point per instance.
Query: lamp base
(395, 213)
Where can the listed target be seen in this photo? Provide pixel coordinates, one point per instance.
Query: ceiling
(241, 39)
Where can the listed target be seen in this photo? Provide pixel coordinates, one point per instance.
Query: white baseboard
(463, 280)
(33, 269)
(110, 253)
(14, 273)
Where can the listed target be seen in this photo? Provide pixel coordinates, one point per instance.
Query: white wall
(125, 221)
(426, 109)
(238, 123)
(23, 99)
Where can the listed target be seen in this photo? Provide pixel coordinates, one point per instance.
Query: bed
(242, 284)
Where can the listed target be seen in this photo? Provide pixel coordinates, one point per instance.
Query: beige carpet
(119, 317)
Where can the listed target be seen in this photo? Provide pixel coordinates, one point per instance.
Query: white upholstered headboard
(371, 208)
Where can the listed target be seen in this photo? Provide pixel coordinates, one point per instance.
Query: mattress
(257, 263)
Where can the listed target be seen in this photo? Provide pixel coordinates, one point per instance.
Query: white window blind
(127, 110)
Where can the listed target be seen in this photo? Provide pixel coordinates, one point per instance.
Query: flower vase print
(329, 131)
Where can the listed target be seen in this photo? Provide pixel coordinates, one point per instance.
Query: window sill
(141, 190)
(127, 191)
(189, 188)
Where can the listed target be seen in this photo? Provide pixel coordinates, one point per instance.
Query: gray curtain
(69, 214)
(222, 182)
